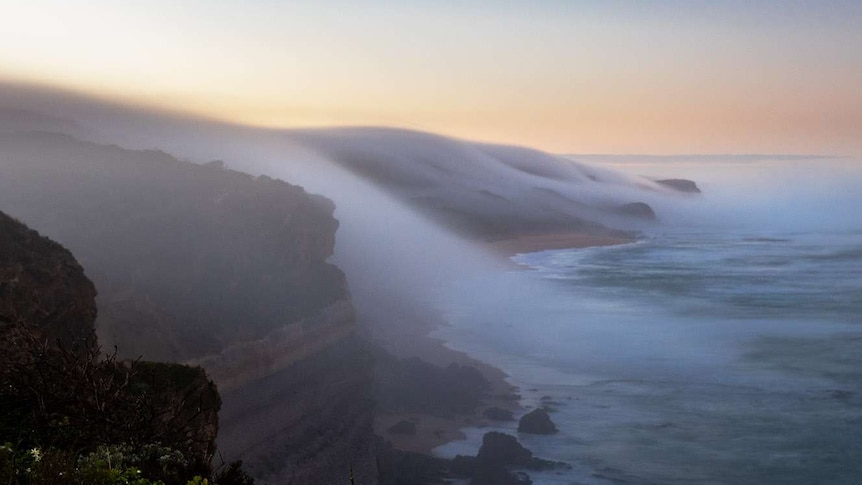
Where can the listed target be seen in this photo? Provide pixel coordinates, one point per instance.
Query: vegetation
(75, 416)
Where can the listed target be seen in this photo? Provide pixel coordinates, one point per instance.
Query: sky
(573, 76)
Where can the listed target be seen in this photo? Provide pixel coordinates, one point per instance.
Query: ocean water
(717, 355)
(725, 347)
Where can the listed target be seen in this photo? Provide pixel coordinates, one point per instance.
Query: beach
(532, 243)
(414, 340)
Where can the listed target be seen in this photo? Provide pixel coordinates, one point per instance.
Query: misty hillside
(220, 269)
(206, 256)
(60, 396)
(489, 191)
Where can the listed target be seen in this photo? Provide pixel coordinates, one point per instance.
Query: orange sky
(565, 76)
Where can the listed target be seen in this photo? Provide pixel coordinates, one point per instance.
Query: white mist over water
(757, 193)
(725, 348)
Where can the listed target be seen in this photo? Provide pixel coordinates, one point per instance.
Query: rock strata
(205, 265)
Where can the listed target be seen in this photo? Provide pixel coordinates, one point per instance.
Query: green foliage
(108, 465)
(76, 417)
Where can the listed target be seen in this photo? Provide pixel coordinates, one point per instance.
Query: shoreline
(433, 431)
(415, 341)
(532, 243)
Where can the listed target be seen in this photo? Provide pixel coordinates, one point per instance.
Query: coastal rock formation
(58, 391)
(413, 385)
(42, 286)
(310, 423)
(640, 210)
(536, 421)
(204, 265)
(209, 256)
(499, 455)
(502, 449)
(681, 185)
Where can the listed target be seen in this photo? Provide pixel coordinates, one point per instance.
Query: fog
(761, 194)
(725, 286)
(392, 255)
(380, 177)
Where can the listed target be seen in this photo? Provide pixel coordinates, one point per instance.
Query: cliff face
(205, 265)
(57, 391)
(42, 287)
(310, 423)
(210, 256)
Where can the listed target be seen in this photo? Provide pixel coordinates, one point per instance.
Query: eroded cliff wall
(205, 265)
(58, 393)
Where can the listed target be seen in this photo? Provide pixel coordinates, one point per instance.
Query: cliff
(216, 268)
(58, 393)
(209, 256)
(484, 191)
(42, 286)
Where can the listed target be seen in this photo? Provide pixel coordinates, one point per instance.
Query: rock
(415, 386)
(501, 449)
(51, 364)
(398, 467)
(188, 259)
(498, 414)
(403, 427)
(43, 287)
(681, 185)
(640, 210)
(463, 466)
(499, 453)
(536, 422)
(219, 268)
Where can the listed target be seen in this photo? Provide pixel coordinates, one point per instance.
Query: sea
(724, 352)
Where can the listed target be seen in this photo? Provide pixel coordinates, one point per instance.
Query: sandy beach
(406, 334)
(541, 242)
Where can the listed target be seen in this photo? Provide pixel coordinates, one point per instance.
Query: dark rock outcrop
(536, 421)
(499, 455)
(398, 467)
(42, 286)
(502, 449)
(681, 185)
(413, 385)
(640, 210)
